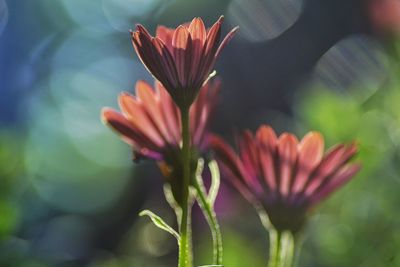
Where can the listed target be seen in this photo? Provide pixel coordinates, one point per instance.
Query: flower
(384, 16)
(181, 59)
(286, 177)
(150, 123)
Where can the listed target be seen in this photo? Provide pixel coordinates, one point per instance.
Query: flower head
(182, 59)
(150, 123)
(285, 176)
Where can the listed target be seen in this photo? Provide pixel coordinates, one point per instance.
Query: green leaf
(160, 223)
(169, 196)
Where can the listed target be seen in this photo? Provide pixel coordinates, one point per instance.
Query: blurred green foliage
(360, 225)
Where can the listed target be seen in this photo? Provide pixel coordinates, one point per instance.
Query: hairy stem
(282, 248)
(184, 247)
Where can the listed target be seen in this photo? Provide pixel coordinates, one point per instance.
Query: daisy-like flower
(286, 177)
(182, 59)
(150, 123)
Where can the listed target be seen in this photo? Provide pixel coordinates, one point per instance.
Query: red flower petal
(170, 113)
(165, 34)
(150, 102)
(181, 44)
(226, 40)
(337, 181)
(287, 151)
(338, 156)
(249, 157)
(199, 34)
(136, 114)
(311, 151)
(129, 134)
(267, 149)
(230, 159)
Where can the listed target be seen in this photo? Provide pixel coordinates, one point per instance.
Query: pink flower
(182, 59)
(285, 176)
(150, 123)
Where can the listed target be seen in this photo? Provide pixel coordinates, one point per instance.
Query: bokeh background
(69, 193)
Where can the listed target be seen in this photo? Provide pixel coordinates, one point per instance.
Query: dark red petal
(142, 29)
(128, 132)
(267, 149)
(239, 184)
(208, 53)
(167, 64)
(248, 153)
(338, 180)
(226, 40)
(148, 55)
(337, 157)
(226, 155)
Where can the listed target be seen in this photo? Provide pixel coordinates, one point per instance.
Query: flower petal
(209, 50)
(151, 105)
(338, 180)
(199, 35)
(128, 132)
(311, 151)
(170, 113)
(230, 159)
(267, 149)
(249, 156)
(167, 64)
(287, 150)
(226, 40)
(165, 34)
(334, 159)
(136, 114)
(181, 42)
(149, 55)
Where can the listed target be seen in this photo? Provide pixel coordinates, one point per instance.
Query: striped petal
(136, 114)
(153, 110)
(181, 44)
(128, 132)
(198, 34)
(311, 151)
(267, 140)
(337, 181)
(338, 156)
(287, 151)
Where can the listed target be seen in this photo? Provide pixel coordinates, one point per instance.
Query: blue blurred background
(69, 193)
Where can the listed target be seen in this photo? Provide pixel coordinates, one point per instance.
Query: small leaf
(215, 182)
(169, 196)
(160, 223)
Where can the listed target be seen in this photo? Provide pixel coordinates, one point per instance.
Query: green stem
(282, 248)
(184, 254)
(212, 222)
